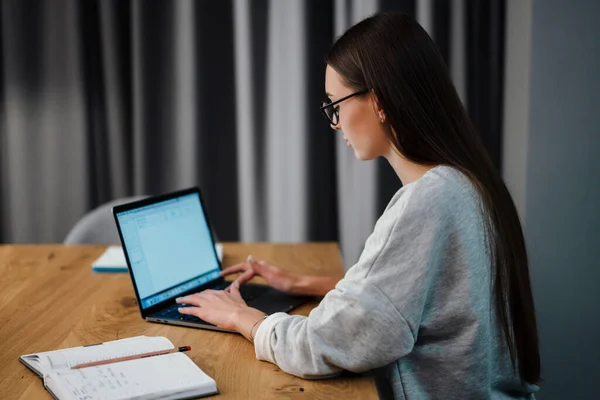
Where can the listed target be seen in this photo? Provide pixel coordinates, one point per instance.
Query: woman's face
(359, 119)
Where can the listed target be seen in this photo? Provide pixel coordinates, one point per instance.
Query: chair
(98, 226)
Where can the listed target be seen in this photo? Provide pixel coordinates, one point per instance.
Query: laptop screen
(170, 248)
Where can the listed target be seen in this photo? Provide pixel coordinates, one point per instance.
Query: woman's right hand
(276, 277)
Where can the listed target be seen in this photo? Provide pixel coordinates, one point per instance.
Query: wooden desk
(50, 299)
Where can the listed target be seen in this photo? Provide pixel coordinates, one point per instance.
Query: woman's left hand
(226, 310)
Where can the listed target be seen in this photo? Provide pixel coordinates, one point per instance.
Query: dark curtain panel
(441, 27)
(216, 123)
(259, 19)
(106, 63)
(321, 153)
(485, 71)
(406, 6)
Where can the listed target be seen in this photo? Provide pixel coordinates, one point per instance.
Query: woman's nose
(336, 127)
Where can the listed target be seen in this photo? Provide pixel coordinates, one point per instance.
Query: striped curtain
(103, 99)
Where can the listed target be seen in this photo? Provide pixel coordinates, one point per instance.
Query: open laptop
(170, 251)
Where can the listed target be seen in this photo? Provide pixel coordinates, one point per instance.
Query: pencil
(133, 357)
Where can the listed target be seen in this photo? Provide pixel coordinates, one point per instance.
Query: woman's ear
(377, 108)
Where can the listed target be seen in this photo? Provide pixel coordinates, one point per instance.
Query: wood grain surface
(51, 299)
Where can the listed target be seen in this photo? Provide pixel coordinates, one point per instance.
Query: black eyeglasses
(333, 113)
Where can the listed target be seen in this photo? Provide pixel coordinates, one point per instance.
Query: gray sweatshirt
(416, 308)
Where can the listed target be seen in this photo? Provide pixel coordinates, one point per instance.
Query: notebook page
(40, 363)
(68, 358)
(112, 256)
(147, 378)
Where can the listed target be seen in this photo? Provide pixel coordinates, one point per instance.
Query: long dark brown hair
(391, 55)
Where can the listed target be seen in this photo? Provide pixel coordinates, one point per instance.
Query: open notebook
(169, 376)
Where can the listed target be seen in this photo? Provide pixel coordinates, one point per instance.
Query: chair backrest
(98, 226)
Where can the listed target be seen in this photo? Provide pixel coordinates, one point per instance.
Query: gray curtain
(102, 99)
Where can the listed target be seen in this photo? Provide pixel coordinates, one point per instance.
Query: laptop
(170, 252)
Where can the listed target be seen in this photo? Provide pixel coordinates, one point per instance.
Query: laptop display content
(170, 252)
(170, 248)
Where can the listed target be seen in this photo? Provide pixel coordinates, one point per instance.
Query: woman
(440, 302)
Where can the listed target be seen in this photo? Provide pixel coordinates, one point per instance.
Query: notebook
(169, 376)
(113, 259)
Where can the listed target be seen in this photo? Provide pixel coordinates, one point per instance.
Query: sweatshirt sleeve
(372, 316)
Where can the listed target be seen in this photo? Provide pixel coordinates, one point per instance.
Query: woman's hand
(275, 276)
(226, 310)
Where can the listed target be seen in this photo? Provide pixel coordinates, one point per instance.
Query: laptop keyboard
(248, 292)
(174, 314)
